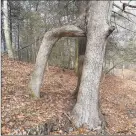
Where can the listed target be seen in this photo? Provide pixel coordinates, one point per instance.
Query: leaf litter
(21, 112)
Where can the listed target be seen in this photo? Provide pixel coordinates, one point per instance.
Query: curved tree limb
(50, 38)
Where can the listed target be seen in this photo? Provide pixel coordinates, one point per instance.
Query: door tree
(96, 30)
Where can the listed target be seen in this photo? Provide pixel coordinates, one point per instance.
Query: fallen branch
(114, 67)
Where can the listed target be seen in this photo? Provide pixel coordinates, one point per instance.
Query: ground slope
(21, 112)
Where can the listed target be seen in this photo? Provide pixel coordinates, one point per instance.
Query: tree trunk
(86, 112)
(81, 47)
(76, 57)
(18, 40)
(50, 38)
(7, 30)
(81, 54)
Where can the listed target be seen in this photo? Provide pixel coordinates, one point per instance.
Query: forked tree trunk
(86, 112)
(50, 38)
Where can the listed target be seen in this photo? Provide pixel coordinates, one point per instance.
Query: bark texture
(86, 110)
(7, 30)
(50, 38)
(81, 44)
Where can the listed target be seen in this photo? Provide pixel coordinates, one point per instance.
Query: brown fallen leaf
(5, 130)
(20, 117)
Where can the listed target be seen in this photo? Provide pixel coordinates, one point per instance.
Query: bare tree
(86, 109)
(85, 112)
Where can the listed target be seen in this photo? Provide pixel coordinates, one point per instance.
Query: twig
(128, 5)
(124, 10)
(123, 17)
(124, 28)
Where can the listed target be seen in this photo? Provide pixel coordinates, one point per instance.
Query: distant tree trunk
(86, 110)
(81, 54)
(18, 41)
(76, 56)
(33, 53)
(70, 61)
(81, 46)
(3, 38)
(7, 30)
(10, 24)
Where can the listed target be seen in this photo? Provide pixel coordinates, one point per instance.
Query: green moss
(31, 93)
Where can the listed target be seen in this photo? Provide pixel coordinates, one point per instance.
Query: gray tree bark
(81, 46)
(7, 30)
(86, 110)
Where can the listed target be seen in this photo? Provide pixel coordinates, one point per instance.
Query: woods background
(29, 20)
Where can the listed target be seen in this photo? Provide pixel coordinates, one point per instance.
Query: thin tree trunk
(81, 54)
(76, 56)
(7, 30)
(86, 110)
(3, 39)
(81, 47)
(10, 24)
(18, 41)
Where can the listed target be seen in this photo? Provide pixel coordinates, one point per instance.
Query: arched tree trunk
(50, 38)
(86, 110)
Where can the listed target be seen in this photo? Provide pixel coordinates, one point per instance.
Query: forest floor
(21, 112)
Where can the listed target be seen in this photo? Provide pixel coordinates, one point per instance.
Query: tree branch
(111, 29)
(128, 5)
(67, 31)
(49, 40)
(124, 10)
(114, 67)
(124, 27)
(124, 17)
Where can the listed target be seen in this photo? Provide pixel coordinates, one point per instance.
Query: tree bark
(86, 110)
(7, 30)
(50, 38)
(81, 46)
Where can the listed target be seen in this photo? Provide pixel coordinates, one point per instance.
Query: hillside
(21, 112)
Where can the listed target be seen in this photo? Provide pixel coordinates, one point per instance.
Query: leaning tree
(96, 30)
